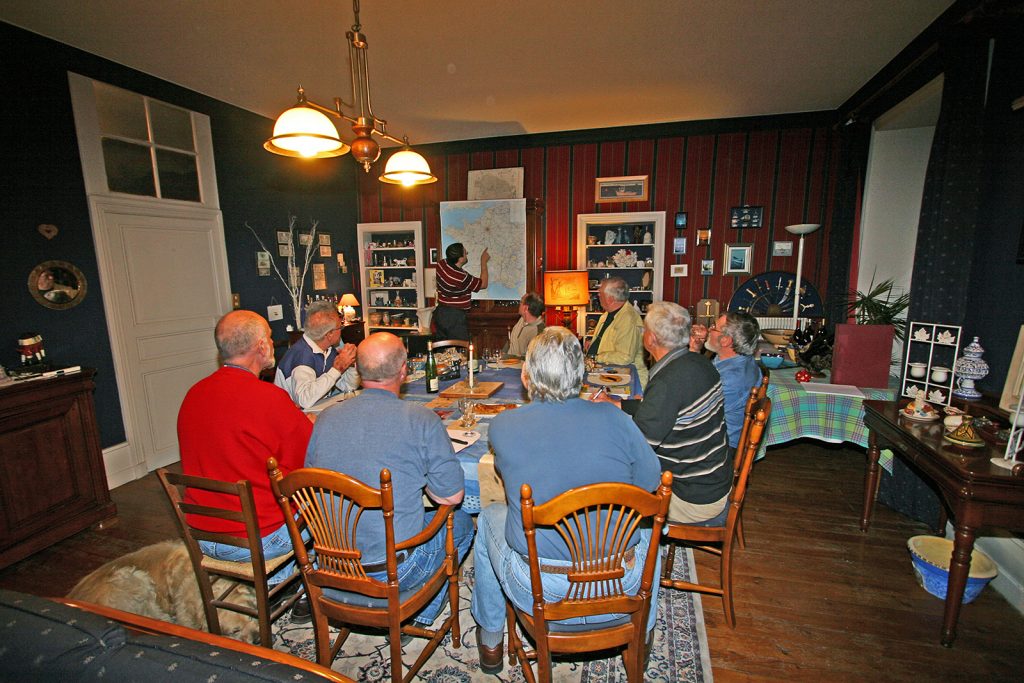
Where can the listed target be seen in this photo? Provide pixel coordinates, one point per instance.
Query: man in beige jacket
(618, 337)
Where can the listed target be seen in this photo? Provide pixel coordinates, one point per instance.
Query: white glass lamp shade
(305, 132)
(406, 167)
(802, 228)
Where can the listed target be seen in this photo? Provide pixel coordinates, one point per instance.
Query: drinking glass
(468, 409)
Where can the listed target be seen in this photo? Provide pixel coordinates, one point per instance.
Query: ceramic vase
(969, 368)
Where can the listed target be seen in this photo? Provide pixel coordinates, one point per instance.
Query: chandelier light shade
(306, 130)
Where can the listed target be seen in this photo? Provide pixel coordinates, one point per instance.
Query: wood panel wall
(790, 171)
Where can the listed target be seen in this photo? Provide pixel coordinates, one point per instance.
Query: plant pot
(862, 355)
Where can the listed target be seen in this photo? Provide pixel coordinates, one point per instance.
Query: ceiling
(465, 69)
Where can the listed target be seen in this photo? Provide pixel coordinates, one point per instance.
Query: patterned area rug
(679, 652)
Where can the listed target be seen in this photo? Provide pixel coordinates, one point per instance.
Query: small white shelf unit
(382, 247)
(931, 353)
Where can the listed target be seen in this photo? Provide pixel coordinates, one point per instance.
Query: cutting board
(481, 390)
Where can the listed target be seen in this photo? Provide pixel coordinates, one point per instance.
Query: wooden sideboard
(52, 479)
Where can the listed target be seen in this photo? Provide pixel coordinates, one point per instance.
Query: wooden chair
(598, 550)
(446, 343)
(756, 394)
(330, 505)
(242, 510)
(702, 537)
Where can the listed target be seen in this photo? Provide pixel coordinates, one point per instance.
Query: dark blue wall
(41, 182)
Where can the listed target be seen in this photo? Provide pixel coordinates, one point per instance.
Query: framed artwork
(782, 248)
(495, 183)
(679, 270)
(679, 245)
(379, 299)
(746, 216)
(632, 188)
(707, 266)
(432, 260)
(680, 220)
(284, 237)
(325, 251)
(703, 237)
(737, 259)
(325, 239)
(376, 277)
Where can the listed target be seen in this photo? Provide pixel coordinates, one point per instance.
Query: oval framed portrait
(57, 285)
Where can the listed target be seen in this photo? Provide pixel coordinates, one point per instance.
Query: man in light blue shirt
(734, 338)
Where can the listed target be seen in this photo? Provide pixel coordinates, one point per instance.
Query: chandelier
(306, 130)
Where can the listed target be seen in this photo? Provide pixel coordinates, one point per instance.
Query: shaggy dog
(158, 581)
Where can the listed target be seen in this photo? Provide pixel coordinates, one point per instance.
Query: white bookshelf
(394, 253)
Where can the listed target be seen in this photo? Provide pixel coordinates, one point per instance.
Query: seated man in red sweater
(230, 423)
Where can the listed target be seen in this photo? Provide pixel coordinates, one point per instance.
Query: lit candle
(471, 385)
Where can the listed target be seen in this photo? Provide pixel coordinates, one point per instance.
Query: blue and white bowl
(931, 556)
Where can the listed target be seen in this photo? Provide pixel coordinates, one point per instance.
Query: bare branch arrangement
(295, 281)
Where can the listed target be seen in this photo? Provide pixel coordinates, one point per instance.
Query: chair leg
(453, 602)
(726, 583)
(395, 634)
(739, 530)
(670, 559)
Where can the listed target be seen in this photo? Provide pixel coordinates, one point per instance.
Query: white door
(165, 285)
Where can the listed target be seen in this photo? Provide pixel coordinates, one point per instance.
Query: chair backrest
(330, 505)
(746, 451)
(757, 392)
(596, 522)
(445, 343)
(238, 507)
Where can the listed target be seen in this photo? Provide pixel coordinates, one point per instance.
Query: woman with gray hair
(682, 414)
(554, 443)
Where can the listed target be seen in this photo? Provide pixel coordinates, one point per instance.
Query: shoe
(405, 638)
(283, 596)
(301, 613)
(492, 659)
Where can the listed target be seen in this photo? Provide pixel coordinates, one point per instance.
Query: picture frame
(630, 188)
(703, 237)
(376, 277)
(432, 256)
(782, 248)
(325, 251)
(707, 267)
(746, 216)
(1015, 377)
(378, 298)
(737, 258)
(679, 270)
(679, 245)
(680, 221)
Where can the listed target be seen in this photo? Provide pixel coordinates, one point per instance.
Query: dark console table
(976, 492)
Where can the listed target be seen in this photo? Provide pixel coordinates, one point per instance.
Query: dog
(158, 581)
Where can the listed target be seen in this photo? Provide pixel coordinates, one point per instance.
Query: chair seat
(244, 569)
(360, 600)
(561, 627)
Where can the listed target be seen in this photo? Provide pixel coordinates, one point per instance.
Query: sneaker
(300, 611)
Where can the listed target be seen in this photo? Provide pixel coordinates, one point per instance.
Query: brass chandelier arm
(338, 113)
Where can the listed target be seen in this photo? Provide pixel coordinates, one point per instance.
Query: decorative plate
(930, 417)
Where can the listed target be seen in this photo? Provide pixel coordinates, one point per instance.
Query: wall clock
(771, 294)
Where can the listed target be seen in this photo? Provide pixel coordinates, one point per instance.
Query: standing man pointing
(455, 288)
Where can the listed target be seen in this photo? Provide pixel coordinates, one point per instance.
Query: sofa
(65, 640)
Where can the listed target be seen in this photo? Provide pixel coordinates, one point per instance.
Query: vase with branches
(296, 280)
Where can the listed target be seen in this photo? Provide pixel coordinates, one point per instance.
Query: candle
(471, 385)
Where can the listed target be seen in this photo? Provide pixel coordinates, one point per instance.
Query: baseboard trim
(119, 463)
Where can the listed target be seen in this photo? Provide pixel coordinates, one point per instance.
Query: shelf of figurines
(929, 361)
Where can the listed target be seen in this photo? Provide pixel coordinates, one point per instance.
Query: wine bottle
(431, 370)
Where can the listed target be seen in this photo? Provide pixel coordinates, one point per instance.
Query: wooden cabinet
(391, 273)
(52, 480)
(629, 245)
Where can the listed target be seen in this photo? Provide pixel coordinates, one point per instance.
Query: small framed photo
(703, 237)
(376, 277)
(737, 259)
(707, 266)
(325, 239)
(325, 250)
(378, 298)
(285, 249)
(680, 220)
(679, 269)
(746, 216)
(263, 263)
(632, 188)
(284, 237)
(782, 248)
(432, 259)
(305, 239)
(679, 245)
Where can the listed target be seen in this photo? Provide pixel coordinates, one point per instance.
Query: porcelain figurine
(969, 368)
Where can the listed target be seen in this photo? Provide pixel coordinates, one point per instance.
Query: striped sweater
(682, 414)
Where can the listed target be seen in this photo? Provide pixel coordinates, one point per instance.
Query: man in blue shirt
(734, 338)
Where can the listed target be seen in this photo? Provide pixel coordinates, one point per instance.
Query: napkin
(467, 435)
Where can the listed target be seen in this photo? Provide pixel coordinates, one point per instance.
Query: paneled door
(165, 287)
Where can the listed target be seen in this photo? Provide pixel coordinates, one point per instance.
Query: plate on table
(607, 379)
(489, 409)
(930, 417)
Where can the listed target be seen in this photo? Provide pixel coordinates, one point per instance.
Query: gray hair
(237, 333)
(616, 288)
(321, 319)
(744, 331)
(669, 323)
(554, 365)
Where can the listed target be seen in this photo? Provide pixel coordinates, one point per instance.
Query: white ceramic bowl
(777, 337)
(918, 370)
(940, 374)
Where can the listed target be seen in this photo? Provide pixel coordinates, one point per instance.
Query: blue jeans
(501, 571)
(275, 544)
(422, 562)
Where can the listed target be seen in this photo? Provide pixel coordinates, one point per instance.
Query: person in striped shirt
(682, 414)
(455, 289)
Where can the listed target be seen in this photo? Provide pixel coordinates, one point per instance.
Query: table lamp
(347, 304)
(799, 229)
(566, 289)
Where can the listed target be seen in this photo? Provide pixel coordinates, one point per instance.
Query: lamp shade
(406, 167)
(305, 132)
(349, 300)
(566, 288)
(802, 228)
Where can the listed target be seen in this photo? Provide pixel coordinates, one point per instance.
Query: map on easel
(480, 390)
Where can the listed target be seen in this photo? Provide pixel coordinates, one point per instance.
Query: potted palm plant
(862, 353)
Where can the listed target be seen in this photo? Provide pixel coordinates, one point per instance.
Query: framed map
(499, 226)
(495, 183)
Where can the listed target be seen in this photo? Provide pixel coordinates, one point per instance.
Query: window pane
(129, 168)
(121, 113)
(179, 178)
(172, 127)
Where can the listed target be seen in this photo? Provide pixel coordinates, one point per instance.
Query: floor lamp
(799, 229)
(566, 289)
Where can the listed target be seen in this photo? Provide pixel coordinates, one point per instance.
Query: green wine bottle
(431, 370)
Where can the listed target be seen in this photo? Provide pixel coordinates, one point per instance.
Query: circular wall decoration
(57, 285)
(771, 295)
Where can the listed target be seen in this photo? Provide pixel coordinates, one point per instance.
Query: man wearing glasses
(314, 367)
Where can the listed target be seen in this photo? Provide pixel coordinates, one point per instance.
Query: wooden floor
(816, 599)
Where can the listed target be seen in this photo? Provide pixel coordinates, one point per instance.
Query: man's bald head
(238, 333)
(381, 358)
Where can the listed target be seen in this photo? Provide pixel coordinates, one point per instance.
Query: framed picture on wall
(746, 216)
(782, 248)
(737, 259)
(680, 220)
(707, 266)
(679, 245)
(631, 188)
(703, 237)
(432, 260)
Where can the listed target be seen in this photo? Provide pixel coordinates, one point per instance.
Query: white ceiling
(463, 69)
